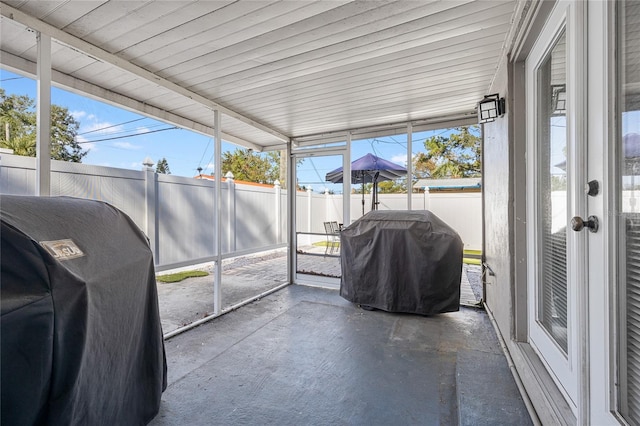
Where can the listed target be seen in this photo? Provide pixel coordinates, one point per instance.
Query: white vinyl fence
(460, 210)
(177, 213)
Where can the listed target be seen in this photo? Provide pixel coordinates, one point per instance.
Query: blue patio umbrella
(369, 169)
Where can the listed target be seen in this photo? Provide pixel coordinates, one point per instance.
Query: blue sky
(122, 139)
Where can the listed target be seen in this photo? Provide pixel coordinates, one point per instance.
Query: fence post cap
(229, 175)
(147, 163)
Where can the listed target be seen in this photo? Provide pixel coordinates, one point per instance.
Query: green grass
(179, 276)
(472, 257)
(325, 243)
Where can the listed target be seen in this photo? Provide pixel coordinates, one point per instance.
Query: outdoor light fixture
(559, 99)
(490, 107)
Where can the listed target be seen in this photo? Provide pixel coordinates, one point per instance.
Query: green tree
(163, 166)
(392, 186)
(18, 120)
(64, 129)
(455, 156)
(252, 167)
(17, 124)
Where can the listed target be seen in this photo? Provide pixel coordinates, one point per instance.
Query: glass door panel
(552, 193)
(627, 156)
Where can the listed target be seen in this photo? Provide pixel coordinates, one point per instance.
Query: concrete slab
(304, 355)
(487, 392)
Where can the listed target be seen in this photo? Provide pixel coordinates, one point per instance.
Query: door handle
(578, 223)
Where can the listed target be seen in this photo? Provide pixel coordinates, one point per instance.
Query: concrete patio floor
(305, 356)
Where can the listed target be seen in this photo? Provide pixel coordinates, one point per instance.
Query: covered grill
(80, 328)
(401, 261)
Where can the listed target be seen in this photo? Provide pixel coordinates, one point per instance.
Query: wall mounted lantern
(490, 107)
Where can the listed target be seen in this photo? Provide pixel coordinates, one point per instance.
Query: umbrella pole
(374, 192)
(362, 190)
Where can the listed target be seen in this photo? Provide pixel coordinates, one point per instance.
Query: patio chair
(336, 228)
(333, 237)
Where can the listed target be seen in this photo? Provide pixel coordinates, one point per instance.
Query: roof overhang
(277, 71)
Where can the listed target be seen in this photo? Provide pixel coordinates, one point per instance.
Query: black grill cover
(80, 333)
(401, 261)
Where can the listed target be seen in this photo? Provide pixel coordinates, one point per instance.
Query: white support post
(309, 213)
(231, 212)
(409, 165)
(277, 190)
(327, 205)
(43, 116)
(217, 281)
(151, 203)
(346, 183)
(292, 228)
(427, 198)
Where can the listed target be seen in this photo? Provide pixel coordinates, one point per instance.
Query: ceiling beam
(72, 84)
(455, 120)
(102, 55)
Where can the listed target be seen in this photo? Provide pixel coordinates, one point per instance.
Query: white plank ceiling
(276, 69)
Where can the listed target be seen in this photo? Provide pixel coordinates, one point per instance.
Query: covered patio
(305, 78)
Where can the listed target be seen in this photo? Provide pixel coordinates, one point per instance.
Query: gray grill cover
(81, 338)
(401, 261)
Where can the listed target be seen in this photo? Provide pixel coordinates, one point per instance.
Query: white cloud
(101, 128)
(78, 114)
(142, 129)
(82, 115)
(127, 145)
(89, 146)
(86, 144)
(399, 159)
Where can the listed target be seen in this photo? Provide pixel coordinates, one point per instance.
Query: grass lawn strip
(179, 276)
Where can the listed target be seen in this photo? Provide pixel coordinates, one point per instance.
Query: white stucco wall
(497, 201)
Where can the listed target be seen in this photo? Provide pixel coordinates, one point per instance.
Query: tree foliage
(455, 156)
(17, 124)
(252, 167)
(163, 166)
(392, 186)
(18, 120)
